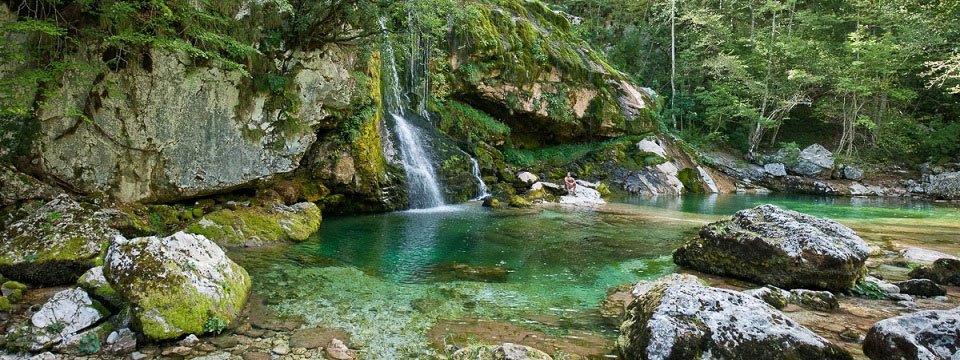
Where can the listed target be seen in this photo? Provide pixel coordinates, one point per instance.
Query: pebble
(136, 355)
(189, 341)
(281, 349)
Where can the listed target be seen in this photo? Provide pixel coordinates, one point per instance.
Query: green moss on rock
(56, 244)
(175, 285)
(260, 223)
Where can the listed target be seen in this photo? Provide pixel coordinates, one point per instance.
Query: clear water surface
(389, 278)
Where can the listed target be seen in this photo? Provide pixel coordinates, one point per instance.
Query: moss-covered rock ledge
(259, 225)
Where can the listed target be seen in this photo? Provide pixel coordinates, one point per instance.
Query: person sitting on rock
(570, 183)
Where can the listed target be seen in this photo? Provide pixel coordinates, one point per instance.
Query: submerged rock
(181, 284)
(678, 318)
(779, 247)
(54, 245)
(506, 351)
(932, 334)
(944, 271)
(460, 271)
(59, 320)
(252, 226)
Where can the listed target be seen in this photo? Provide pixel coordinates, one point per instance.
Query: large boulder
(56, 244)
(932, 334)
(678, 318)
(258, 225)
(814, 161)
(181, 284)
(769, 245)
(61, 319)
(944, 186)
(179, 130)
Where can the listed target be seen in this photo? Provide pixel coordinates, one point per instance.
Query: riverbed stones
(921, 287)
(944, 271)
(337, 350)
(679, 318)
(65, 315)
(810, 299)
(787, 249)
(507, 351)
(176, 285)
(931, 334)
(54, 245)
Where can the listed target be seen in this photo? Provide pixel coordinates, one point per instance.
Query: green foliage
(462, 121)
(790, 153)
(214, 325)
(869, 289)
(879, 75)
(89, 344)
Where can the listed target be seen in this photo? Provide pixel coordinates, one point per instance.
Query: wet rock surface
(255, 226)
(933, 334)
(783, 248)
(678, 318)
(921, 287)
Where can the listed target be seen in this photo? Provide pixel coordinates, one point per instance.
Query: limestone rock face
(775, 169)
(54, 245)
(60, 319)
(932, 334)
(778, 247)
(254, 225)
(173, 132)
(678, 318)
(181, 284)
(945, 186)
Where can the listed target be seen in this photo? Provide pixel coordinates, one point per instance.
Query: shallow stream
(408, 284)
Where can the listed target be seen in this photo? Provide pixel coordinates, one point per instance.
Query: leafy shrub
(89, 344)
(214, 325)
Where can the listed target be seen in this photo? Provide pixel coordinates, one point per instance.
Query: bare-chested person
(570, 183)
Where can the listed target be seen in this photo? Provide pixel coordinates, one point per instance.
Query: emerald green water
(389, 278)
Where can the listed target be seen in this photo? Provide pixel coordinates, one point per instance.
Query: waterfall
(482, 193)
(422, 185)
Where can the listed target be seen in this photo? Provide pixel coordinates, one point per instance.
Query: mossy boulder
(772, 246)
(13, 291)
(177, 285)
(677, 317)
(259, 224)
(56, 244)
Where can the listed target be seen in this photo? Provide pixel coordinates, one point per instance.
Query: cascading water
(424, 190)
(482, 192)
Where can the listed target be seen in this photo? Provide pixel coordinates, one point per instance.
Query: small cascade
(422, 184)
(482, 193)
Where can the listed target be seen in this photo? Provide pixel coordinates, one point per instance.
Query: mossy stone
(264, 223)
